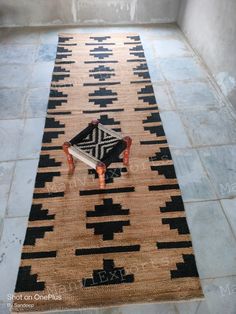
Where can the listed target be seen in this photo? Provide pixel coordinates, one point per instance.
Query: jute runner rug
(86, 247)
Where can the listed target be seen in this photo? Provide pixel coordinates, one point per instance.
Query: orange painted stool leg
(101, 170)
(69, 157)
(126, 153)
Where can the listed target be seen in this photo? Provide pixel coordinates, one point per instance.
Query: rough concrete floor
(200, 127)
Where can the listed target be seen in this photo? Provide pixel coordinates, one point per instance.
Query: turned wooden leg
(69, 157)
(101, 170)
(126, 153)
(94, 121)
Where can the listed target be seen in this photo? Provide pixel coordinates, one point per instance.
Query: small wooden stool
(97, 147)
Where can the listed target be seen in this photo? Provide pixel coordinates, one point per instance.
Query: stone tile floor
(200, 127)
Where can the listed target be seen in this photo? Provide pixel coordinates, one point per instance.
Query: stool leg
(69, 157)
(101, 170)
(126, 153)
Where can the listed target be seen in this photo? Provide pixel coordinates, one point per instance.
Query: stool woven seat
(98, 147)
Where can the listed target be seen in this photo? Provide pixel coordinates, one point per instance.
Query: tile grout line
(227, 219)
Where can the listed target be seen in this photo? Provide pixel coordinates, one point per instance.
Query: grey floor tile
(1, 227)
(31, 140)
(163, 97)
(15, 75)
(164, 31)
(41, 74)
(49, 36)
(159, 308)
(182, 68)
(220, 295)
(4, 34)
(10, 134)
(36, 102)
(193, 95)
(203, 308)
(5, 308)
(154, 71)
(12, 103)
(10, 251)
(220, 164)
(174, 130)
(188, 307)
(22, 36)
(46, 53)
(166, 48)
(229, 206)
(6, 173)
(192, 178)
(213, 241)
(21, 192)
(24, 54)
(148, 51)
(210, 127)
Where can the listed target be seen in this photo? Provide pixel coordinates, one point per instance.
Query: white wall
(210, 26)
(86, 12)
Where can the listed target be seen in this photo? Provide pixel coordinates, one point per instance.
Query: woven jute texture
(129, 242)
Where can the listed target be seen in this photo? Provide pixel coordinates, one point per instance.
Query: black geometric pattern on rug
(103, 102)
(98, 143)
(100, 38)
(101, 52)
(151, 100)
(110, 175)
(154, 117)
(46, 161)
(144, 75)
(102, 91)
(108, 228)
(63, 56)
(59, 77)
(108, 250)
(28, 282)
(63, 50)
(136, 48)
(179, 223)
(158, 130)
(37, 212)
(52, 123)
(54, 93)
(60, 69)
(167, 170)
(64, 39)
(53, 104)
(101, 68)
(109, 275)
(105, 120)
(48, 136)
(173, 245)
(108, 208)
(48, 195)
(148, 89)
(97, 72)
(128, 189)
(186, 269)
(176, 204)
(43, 177)
(164, 154)
(141, 67)
(134, 38)
(34, 255)
(138, 54)
(102, 76)
(33, 233)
